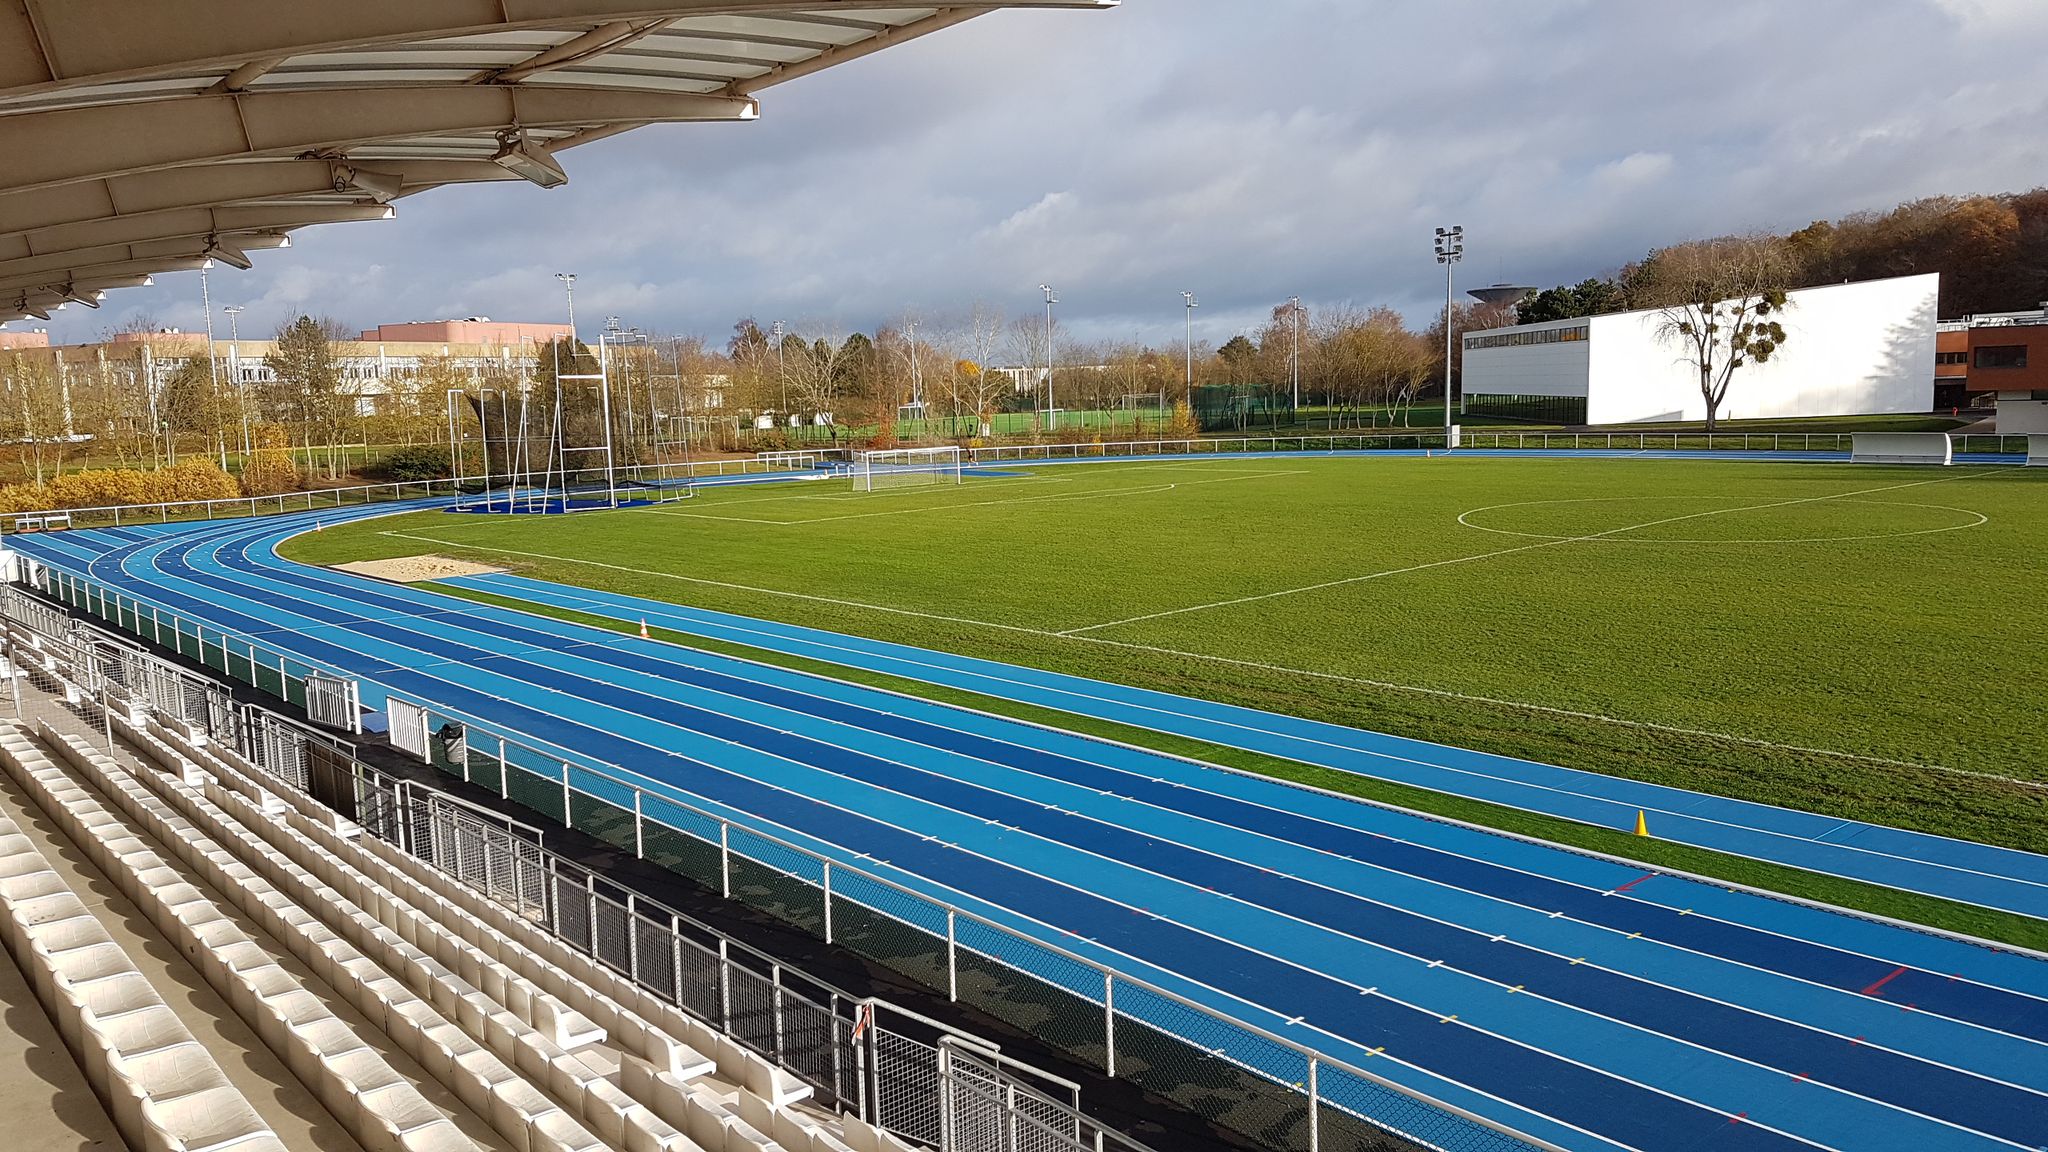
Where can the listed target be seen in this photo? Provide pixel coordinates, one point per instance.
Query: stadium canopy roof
(143, 136)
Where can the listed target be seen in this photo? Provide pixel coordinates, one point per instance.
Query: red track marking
(1738, 1118)
(1636, 881)
(1895, 974)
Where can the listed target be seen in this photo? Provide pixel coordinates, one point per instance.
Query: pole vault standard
(603, 449)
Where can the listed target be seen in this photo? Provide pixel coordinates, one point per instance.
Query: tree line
(1991, 251)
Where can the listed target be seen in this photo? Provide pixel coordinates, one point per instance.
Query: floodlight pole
(1450, 248)
(233, 313)
(1052, 417)
(212, 361)
(1192, 304)
(1294, 353)
(568, 280)
(781, 373)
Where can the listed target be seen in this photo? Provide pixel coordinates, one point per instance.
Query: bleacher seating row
(550, 1049)
(655, 1067)
(377, 1106)
(162, 1087)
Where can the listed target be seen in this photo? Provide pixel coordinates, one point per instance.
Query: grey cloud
(1245, 151)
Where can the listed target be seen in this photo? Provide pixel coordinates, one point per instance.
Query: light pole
(1294, 351)
(1052, 412)
(1192, 304)
(233, 313)
(1450, 248)
(212, 362)
(568, 280)
(781, 370)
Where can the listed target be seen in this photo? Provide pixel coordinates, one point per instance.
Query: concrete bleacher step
(162, 1087)
(372, 1102)
(662, 1050)
(503, 1018)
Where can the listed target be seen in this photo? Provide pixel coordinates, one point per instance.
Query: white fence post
(1109, 1022)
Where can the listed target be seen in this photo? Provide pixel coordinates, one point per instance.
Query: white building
(1851, 350)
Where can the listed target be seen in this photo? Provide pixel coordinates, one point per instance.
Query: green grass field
(1860, 641)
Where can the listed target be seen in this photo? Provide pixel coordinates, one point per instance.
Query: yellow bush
(108, 487)
(271, 470)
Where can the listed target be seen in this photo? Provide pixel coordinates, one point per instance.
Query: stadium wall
(1853, 349)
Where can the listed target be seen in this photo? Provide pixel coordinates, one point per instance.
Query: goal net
(906, 468)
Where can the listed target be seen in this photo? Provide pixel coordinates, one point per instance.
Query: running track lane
(541, 648)
(1985, 875)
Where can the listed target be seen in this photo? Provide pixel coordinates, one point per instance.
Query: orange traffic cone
(1642, 823)
(644, 634)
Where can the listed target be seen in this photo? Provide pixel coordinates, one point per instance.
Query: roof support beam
(42, 147)
(200, 187)
(56, 44)
(60, 241)
(188, 258)
(59, 268)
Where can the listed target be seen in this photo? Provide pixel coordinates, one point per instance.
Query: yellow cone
(1642, 823)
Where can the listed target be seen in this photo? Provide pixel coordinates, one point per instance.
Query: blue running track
(1580, 1001)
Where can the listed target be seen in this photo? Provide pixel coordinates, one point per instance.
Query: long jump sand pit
(417, 569)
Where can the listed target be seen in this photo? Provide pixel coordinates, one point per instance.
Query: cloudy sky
(1245, 150)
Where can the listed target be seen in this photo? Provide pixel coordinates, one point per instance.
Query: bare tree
(1722, 311)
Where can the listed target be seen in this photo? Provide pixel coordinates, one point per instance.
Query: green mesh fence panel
(601, 819)
(541, 795)
(787, 898)
(681, 853)
(1237, 1079)
(917, 954)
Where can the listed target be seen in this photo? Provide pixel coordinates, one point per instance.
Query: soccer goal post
(906, 468)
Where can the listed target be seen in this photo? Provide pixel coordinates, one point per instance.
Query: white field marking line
(882, 753)
(1105, 898)
(1571, 714)
(1364, 682)
(886, 748)
(1107, 494)
(1312, 818)
(1552, 788)
(603, 608)
(1327, 584)
(502, 551)
(1981, 520)
(1856, 850)
(1058, 933)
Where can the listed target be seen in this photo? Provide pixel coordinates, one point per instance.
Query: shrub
(107, 487)
(270, 469)
(420, 462)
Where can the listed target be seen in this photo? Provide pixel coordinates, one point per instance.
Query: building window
(1951, 357)
(2002, 356)
(1570, 335)
(1528, 409)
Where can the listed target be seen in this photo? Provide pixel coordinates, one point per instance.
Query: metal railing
(239, 507)
(229, 654)
(1388, 440)
(1972, 444)
(1288, 1096)
(858, 1053)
